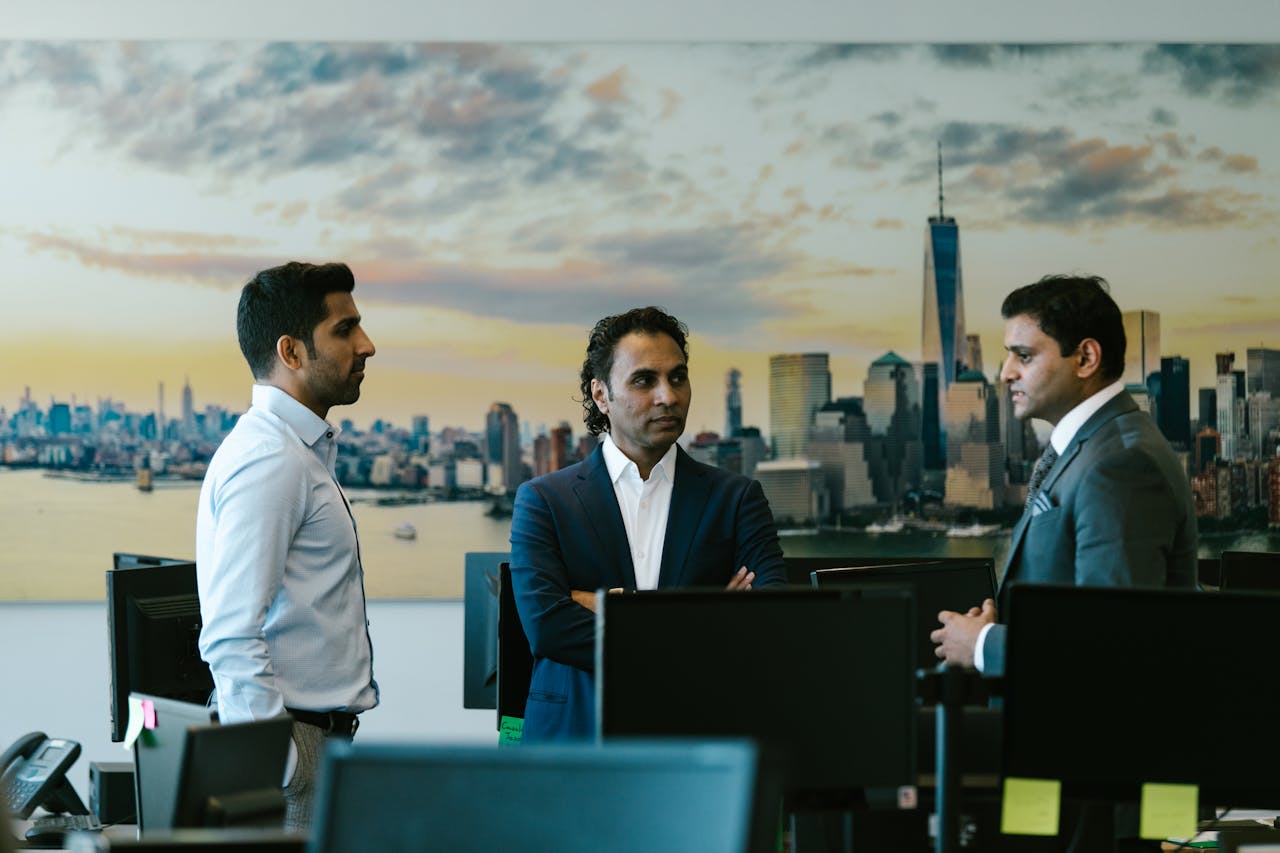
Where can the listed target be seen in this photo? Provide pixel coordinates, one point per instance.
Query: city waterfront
(59, 534)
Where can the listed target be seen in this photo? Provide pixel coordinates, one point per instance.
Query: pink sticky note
(148, 714)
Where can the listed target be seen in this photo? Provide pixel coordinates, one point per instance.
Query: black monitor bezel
(907, 573)
(162, 576)
(1226, 676)
(797, 794)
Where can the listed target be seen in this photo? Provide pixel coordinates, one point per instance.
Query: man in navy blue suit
(637, 514)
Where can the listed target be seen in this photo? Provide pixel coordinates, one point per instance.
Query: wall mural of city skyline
(494, 200)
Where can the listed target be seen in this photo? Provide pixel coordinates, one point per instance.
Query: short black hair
(604, 341)
(1071, 308)
(286, 300)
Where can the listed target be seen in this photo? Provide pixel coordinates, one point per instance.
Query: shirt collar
(618, 462)
(1076, 418)
(309, 426)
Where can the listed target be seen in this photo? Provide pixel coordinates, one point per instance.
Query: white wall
(661, 20)
(54, 676)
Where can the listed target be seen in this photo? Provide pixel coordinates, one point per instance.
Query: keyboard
(50, 830)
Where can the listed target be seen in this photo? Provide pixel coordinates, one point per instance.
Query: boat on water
(972, 531)
(405, 531)
(892, 525)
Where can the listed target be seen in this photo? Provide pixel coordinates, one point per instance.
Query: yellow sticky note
(135, 722)
(1168, 811)
(1030, 806)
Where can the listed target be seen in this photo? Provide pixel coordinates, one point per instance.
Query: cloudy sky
(495, 200)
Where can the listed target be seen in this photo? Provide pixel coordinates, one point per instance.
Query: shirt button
(328, 435)
(640, 555)
(644, 504)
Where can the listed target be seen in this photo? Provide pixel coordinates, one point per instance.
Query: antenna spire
(940, 180)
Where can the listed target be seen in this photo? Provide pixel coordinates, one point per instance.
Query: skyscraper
(1174, 411)
(1020, 446)
(942, 336)
(188, 409)
(935, 458)
(799, 385)
(1142, 346)
(1231, 412)
(975, 455)
(732, 403)
(502, 444)
(1209, 408)
(973, 348)
(1263, 370)
(892, 408)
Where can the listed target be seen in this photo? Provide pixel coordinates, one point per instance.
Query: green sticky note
(511, 730)
(1030, 806)
(1168, 811)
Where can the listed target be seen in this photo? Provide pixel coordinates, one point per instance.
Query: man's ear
(1089, 358)
(600, 394)
(287, 351)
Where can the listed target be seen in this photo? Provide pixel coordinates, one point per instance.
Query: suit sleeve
(1125, 518)
(757, 535)
(993, 650)
(558, 627)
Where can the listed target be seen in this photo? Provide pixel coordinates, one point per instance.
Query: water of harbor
(57, 537)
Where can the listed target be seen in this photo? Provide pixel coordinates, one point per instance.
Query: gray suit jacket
(1120, 514)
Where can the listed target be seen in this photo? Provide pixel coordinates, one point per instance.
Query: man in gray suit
(1109, 504)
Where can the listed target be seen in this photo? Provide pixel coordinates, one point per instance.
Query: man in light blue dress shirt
(277, 555)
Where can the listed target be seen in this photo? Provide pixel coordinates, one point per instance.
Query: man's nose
(366, 347)
(1007, 370)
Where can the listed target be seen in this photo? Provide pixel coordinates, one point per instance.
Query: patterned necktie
(1043, 466)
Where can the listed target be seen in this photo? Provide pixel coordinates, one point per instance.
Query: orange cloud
(609, 87)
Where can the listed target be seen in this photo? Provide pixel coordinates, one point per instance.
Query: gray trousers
(299, 794)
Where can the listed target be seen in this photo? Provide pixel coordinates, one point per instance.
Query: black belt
(340, 723)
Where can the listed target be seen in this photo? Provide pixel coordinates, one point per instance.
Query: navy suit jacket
(567, 533)
(1116, 511)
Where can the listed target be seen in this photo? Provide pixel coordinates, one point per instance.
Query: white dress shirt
(645, 505)
(1063, 432)
(278, 567)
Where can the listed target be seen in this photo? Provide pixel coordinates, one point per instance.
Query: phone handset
(33, 773)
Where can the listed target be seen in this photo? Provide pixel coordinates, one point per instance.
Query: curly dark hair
(1071, 308)
(604, 340)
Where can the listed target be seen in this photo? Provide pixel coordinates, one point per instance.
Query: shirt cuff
(978, 663)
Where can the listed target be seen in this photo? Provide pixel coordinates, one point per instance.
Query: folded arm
(558, 627)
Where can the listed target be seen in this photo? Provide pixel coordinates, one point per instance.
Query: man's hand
(741, 580)
(958, 636)
(585, 597)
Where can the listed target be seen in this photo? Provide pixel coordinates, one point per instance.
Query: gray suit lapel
(1116, 406)
(600, 506)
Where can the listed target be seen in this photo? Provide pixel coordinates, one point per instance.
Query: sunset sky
(494, 201)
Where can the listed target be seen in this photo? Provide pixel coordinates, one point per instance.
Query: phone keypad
(19, 791)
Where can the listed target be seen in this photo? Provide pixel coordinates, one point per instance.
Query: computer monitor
(153, 628)
(1109, 688)
(157, 758)
(120, 560)
(823, 680)
(1250, 570)
(572, 798)
(799, 570)
(941, 585)
(515, 657)
(480, 629)
(231, 775)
